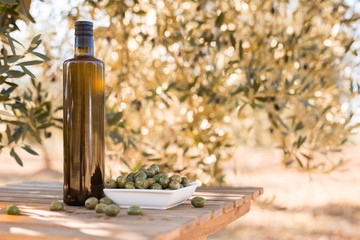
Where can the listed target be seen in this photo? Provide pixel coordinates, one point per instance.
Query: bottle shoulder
(83, 59)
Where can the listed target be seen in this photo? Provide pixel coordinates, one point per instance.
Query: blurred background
(234, 92)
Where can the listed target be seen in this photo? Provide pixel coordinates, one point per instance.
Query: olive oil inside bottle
(83, 101)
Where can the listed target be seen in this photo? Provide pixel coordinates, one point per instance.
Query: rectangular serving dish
(149, 198)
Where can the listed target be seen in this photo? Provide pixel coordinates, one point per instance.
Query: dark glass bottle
(84, 145)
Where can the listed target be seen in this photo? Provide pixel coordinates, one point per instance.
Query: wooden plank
(58, 232)
(42, 195)
(246, 197)
(29, 188)
(26, 191)
(201, 217)
(253, 192)
(61, 222)
(236, 199)
(216, 224)
(11, 236)
(25, 200)
(40, 183)
(226, 206)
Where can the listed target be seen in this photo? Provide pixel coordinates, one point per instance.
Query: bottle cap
(84, 28)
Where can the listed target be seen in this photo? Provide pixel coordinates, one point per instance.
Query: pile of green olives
(104, 205)
(148, 178)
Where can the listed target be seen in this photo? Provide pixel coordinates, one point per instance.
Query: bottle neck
(84, 45)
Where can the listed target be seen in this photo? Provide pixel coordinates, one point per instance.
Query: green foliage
(193, 78)
(188, 81)
(23, 113)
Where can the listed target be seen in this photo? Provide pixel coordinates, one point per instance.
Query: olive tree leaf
(124, 161)
(29, 63)
(113, 118)
(29, 149)
(42, 56)
(11, 2)
(220, 19)
(17, 158)
(27, 71)
(11, 43)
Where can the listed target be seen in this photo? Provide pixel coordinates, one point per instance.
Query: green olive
(56, 206)
(173, 185)
(164, 181)
(110, 183)
(130, 185)
(130, 177)
(150, 172)
(140, 175)
(141, 183)
(12, 210)
(112, 210)
(198, 202)
(176, 178)
(91, 202)
(150, 181)
(105, 200)
(120, 181)
(185, 182)
(163, 173)
(156, 186)
(134, 210)
(155, 167)
(156, 178)
(100, 208)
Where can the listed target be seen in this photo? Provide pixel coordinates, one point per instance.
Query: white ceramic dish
(148, 198)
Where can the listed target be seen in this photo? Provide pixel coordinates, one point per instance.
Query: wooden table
(224, 205)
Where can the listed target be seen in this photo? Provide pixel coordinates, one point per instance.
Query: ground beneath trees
(295, 205)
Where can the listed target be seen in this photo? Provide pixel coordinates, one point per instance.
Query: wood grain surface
(224, 205)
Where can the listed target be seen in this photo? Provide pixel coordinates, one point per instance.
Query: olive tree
(22, 112)
(189, 80)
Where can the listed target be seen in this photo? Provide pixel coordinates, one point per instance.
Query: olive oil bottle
(84, 146)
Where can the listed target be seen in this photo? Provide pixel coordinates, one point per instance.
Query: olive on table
(185, 182)
(156, 186)
(141, 183)
(105, 200)
(120, 181)
(164, 181)
(198, 202)
(112, 210)
(100, 208)
(12, 210)
(56, 206)
(91, 202)
(110, 183)
(134, 210)
(130, 185)
(173, 185)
